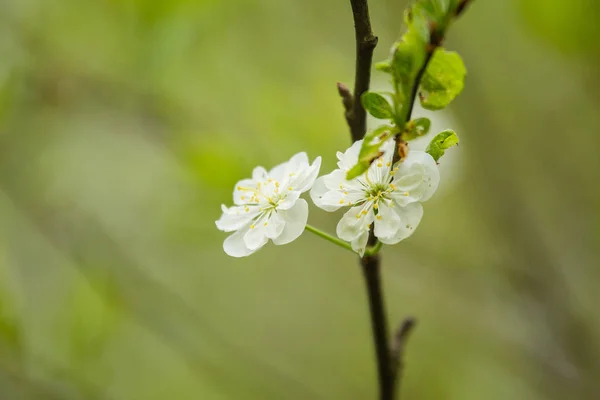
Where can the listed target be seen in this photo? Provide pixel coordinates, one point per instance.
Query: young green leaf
(416, 128)
(376, 105)
(441, 142)
(443, 80)
(369, 150)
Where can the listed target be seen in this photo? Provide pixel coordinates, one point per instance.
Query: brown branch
(356, 118)
(371, 266)
(355, 114)
(397, 351)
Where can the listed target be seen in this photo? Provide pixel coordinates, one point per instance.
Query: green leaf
(384, 66)
(441, 142)
(376, 105)
(443, 80)
(416, 128)
(369, 151)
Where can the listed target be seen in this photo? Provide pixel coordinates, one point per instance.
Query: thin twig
(397, 351)
(365, 44)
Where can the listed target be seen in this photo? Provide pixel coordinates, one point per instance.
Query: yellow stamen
(290, 188)
(393, 186)
(346, 193)
(246, 209)
(266, 223)
(251, 226)
(388, 163)
(379, 217)
(341, 201)
(364, 212)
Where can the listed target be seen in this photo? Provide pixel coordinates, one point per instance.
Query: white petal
(275, 225)
(387, 222)
(298, 161)
(259, 174)
(234, 245)
(360, 244)
(350, 157)
(318, 192)
(256, 237)
(410, 217)
(236, 217)
(418, 175)
(295, 222)
(306, 179)
(335, 179)
(278, 172)
(289, 201)
(354, 222)
(380, 168)
(241, 195)
(296, 165)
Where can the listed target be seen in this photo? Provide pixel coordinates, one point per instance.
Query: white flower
(268, 206)
(387, 197)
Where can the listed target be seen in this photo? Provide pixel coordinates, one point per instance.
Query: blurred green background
(125, 123)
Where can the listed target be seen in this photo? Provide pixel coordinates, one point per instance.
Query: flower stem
(328, 237)
(372, 250)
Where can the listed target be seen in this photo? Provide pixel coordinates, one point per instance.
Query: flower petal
(410, 217)
(295, 222)
(307, 177)
(379, 169)
(349, 158)
(275, 225)
(318, 195)
(387, 222)
(256, 236)
(241, 194)
(236, 217)
(417, 175)
(235, 246)
(360, 244)
(259, 174)
(355, 221)
(289, 201)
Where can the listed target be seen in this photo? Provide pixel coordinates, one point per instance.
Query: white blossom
(389, 198)
(268, 206)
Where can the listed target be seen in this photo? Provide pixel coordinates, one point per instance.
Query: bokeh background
(125, 123)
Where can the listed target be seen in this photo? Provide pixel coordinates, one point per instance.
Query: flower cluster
(386, 198)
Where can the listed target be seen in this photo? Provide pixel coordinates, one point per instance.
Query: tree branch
(356, 118)
(397, 351)
(371, 271)
(355, 114)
